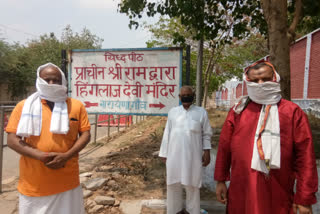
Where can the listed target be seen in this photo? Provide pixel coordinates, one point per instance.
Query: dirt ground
(132, 165)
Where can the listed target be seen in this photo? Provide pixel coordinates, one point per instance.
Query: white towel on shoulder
(59, 119)
(31, 117)
(270, 138)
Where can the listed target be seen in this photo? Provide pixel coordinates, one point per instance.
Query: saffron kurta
(36, 179)
(187, 134)
(253, 192)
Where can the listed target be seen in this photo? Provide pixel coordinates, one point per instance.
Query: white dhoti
(175, 202)
(70, 202)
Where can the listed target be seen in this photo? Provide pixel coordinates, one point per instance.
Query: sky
(23, 20)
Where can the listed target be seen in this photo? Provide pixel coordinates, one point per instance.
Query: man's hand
(221, 192)
(59, 160)
(206, 157)
(45, 157)
(302, 209)
(20, 146)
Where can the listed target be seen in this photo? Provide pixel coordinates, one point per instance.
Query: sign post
(126, 81)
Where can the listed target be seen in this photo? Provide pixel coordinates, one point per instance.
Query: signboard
(126, 81)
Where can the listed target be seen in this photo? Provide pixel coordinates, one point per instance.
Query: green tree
(18, 63)
(240, 54)
(310, 17)
(164, 34)
(83, 40)
(45, 49)
(220, 63)
(14, 68)
(209, 20)
(278, 19)
(283, 18)
(6, 59)
(48, 47)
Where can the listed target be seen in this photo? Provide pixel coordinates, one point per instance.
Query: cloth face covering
(267, 93)
(31, 117)
(187, 99)
(266, 151)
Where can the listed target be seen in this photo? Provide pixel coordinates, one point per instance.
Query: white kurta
(187, 134)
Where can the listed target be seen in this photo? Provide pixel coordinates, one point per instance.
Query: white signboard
(126, 81)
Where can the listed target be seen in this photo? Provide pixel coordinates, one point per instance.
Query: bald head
(51, 75)
(186, 88)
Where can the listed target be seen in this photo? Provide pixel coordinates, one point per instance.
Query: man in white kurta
(186, 148)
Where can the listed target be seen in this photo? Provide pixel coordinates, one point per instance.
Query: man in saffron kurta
(270, 190)
(47, 139)
(185, 148)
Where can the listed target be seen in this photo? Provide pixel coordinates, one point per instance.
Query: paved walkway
(9, 197)
(157, 206)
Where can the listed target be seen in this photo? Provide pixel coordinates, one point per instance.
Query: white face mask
(51, 92)
(264, 93)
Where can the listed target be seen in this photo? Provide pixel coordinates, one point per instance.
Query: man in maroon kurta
(252, 191)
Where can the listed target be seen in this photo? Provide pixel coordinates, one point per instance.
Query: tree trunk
(199, 72)
(206, 89)
(207, 80)
(275, 13)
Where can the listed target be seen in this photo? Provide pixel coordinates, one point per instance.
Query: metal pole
(126, 121)
(95, 128)
(109, 127)
(188, 65)
(136, 119)
(1, 144)
(64, 62)
(118, 122)
(199, 72)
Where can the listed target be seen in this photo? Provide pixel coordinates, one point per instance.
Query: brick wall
(297, 63)
(314, 70)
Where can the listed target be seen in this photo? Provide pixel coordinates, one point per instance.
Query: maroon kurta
(252, 192)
